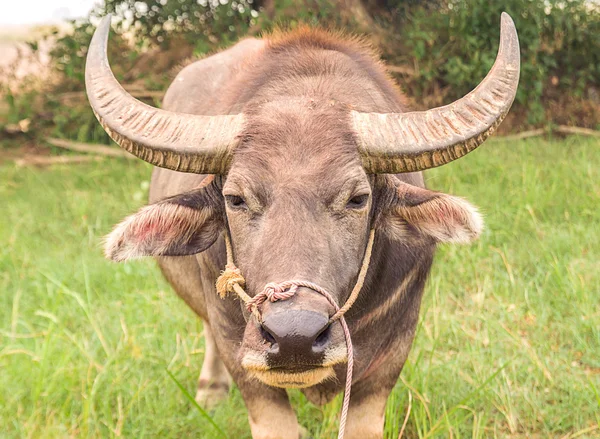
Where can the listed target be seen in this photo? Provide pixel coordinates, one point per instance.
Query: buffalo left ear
(444, 218)
(185, 224)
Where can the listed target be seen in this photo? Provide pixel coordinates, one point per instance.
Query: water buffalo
(295, 147)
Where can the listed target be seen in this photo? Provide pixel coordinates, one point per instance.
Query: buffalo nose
(297, 337)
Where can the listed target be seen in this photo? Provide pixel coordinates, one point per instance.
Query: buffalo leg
(366, 418)
(214, 382)
(269, 411)
(366, 415)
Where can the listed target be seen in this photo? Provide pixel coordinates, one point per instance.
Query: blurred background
(508, 341)
(438, 50)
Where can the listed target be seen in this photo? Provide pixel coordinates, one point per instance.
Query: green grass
(508, 344)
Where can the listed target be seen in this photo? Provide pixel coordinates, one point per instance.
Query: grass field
(508, 344)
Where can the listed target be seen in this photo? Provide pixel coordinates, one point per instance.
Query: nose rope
(232, 281)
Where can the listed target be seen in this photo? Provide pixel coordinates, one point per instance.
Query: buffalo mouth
(294, 380)
(296, 375)
(294, 344)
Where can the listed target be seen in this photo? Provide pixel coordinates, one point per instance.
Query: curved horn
(177, 141)
(415, 141)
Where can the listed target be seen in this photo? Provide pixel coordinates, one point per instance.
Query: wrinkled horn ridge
(177, 141)
(415, 141)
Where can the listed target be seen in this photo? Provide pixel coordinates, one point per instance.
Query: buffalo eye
(357, 201)
(236, 202)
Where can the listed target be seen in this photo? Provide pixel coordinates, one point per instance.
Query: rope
(232, 281)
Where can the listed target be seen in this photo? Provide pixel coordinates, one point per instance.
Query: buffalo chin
(293, 380)
(257, 365)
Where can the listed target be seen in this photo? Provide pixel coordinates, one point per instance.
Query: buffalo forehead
(298, 143)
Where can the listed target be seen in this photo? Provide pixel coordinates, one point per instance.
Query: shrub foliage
(452, 46)
(440, 50)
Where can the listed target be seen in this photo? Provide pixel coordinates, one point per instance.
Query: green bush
(69, 52)
(453, 46)
(444, 48)
(202, 23)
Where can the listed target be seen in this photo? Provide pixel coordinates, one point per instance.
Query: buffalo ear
(185, 224)
(445, 218)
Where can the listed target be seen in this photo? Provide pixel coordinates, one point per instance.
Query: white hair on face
(255, 361)
(335, 355)
(256, 364)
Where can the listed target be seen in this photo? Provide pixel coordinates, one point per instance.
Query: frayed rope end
(228, 278)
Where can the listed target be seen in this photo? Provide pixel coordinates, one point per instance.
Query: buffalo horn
(415, 141)
(177, 141)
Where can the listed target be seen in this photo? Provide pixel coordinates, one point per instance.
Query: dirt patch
(14, 150)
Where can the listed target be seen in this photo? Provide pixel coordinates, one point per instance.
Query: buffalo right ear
(442, 217)
(185, 224)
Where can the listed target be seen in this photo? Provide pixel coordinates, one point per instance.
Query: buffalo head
(298, 183)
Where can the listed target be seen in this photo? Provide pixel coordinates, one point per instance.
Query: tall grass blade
(196, 405)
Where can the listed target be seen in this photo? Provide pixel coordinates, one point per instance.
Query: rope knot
(273, 292)
(228, 279)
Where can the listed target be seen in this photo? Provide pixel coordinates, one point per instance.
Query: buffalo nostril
(267, 336)
(322, 339)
